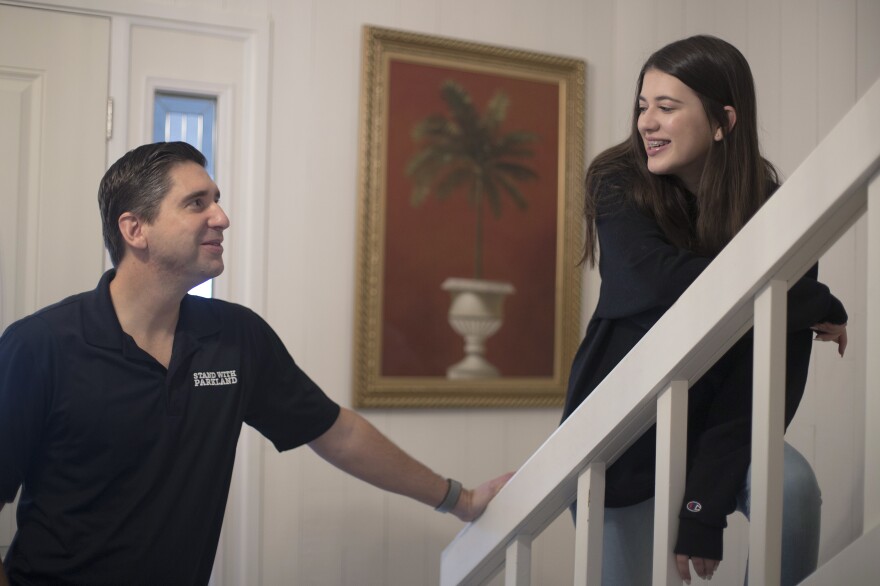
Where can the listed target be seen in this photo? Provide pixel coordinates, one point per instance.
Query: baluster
(670, 478)
(768, 421)
(589, 526)
(518, 565)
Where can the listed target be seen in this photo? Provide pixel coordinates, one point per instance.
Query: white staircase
(744, 286)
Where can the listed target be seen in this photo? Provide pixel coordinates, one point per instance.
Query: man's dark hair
(137, 183)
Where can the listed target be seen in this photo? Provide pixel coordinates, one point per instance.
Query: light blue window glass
(190, 119)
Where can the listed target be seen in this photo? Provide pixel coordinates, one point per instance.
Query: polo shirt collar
(197, 320)
(101, 326)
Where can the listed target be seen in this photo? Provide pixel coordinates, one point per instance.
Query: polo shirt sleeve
(284, 404)
(25, 399)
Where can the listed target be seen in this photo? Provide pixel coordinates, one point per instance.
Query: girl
(659, 206)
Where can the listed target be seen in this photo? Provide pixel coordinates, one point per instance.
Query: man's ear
(132, 229)
(731, 122)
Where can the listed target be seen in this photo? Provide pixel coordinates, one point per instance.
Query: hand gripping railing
(745, 285)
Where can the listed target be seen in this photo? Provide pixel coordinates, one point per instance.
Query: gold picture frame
(427, 102)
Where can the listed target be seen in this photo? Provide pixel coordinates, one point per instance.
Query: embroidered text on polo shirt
(215, 378)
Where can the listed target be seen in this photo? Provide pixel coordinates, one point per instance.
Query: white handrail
(817, 204)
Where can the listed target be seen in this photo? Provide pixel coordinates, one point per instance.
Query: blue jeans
(627, 548)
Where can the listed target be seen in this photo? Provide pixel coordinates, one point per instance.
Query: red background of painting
(427, 244)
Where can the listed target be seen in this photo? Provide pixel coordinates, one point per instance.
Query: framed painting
(469, 224)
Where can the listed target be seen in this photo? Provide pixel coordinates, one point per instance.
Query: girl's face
(674, 127)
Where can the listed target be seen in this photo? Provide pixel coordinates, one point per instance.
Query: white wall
(812, 59)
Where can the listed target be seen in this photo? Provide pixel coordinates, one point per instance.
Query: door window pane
(191, 119)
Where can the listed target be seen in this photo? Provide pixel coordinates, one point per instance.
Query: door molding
(22, 292)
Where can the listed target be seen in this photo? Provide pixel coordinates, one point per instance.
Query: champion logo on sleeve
(694, 507)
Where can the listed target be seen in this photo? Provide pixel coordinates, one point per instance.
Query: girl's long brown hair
(736, 179)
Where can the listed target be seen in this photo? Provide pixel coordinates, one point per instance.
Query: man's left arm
(355, 446)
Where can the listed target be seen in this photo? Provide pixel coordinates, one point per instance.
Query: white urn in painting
(475, 313)
(466, 153)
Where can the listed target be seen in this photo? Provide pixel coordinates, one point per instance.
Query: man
(120, 408)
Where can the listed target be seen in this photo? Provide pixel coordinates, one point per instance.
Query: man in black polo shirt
(120, 408)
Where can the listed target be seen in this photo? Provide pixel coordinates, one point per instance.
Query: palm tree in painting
(467, 151)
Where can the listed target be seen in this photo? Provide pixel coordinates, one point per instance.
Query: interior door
(53, 110)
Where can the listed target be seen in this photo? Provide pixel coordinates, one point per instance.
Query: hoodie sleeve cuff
(698, 540)
(836, 313)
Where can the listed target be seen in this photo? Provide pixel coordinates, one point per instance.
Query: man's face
(185, 240)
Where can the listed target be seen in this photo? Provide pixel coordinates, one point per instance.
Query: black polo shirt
(125, 466)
